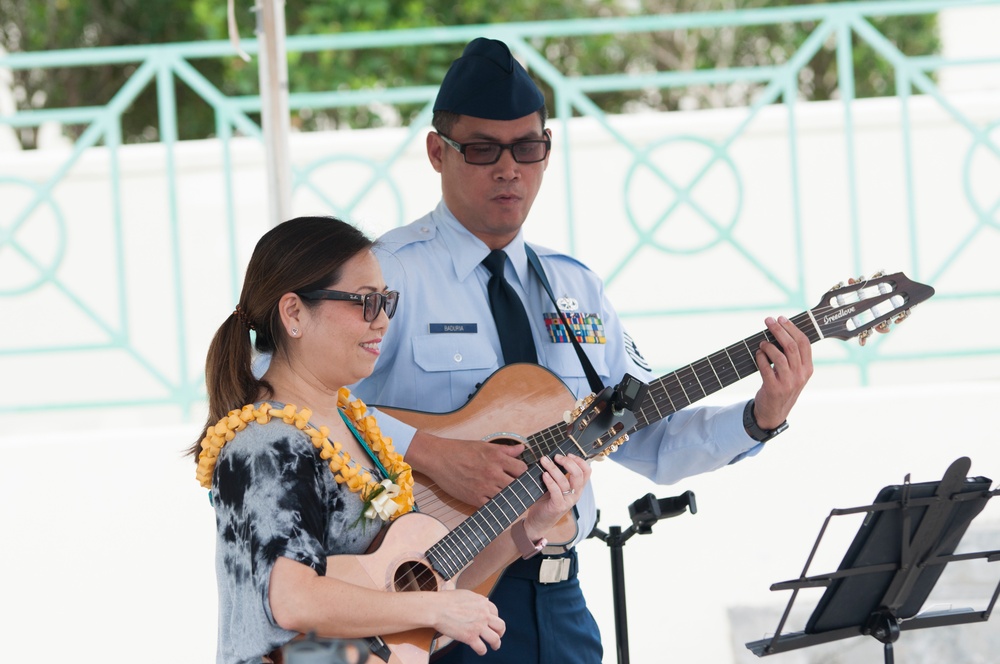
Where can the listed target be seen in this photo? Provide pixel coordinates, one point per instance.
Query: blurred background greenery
(45, 25)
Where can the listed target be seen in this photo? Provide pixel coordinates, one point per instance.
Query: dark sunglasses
(485, 154)
(373, 302)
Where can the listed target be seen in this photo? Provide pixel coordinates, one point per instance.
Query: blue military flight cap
(487, 82)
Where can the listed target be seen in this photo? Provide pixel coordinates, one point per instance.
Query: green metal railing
(28, 278)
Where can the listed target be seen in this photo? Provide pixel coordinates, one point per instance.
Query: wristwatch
(754, 430)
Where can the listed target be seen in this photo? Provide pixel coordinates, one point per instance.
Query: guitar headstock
(600, 423)
(862, 306)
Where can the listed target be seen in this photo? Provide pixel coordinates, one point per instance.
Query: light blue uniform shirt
(442, 343)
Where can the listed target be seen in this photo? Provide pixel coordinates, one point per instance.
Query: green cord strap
(364, 445)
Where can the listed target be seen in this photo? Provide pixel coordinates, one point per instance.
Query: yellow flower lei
(387, 499)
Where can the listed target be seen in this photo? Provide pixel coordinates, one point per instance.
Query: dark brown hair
(301, 254)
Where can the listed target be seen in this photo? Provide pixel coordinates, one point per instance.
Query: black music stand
(909, 535)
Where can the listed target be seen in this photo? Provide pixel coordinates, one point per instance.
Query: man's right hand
(472, 471)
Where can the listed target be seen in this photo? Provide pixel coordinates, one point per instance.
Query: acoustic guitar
(428, 550)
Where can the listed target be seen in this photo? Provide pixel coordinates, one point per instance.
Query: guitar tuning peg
(839, 284)
(883, 327)
(879, 274)
(581, 404)
(903, 316)
(863, 336)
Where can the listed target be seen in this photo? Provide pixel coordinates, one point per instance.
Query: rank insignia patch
(587, 328)
(634, 353)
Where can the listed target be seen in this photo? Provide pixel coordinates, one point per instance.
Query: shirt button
(458, 357)
(425, 229)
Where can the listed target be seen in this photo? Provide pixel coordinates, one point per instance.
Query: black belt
(545, 569)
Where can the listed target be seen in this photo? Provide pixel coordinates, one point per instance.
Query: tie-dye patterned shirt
(274, 496)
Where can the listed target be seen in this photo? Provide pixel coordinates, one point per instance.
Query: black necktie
(508, 313)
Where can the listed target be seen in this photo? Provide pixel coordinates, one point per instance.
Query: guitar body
(398, 564)
(513, 403)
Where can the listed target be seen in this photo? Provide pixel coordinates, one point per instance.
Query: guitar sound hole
(414, 575)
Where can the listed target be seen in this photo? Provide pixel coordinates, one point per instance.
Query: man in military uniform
(491, 148)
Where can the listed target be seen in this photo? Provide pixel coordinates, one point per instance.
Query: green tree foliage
(382, 68)
(46, 25)
(42, 25)
(734, 46)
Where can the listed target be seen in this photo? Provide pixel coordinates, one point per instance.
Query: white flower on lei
(383, 506)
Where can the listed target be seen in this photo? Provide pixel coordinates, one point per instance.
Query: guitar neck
(681, 388)
(457, 549)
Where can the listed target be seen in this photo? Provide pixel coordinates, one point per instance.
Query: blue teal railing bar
(161, 66)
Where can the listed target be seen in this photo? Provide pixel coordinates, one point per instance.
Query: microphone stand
(644, 513)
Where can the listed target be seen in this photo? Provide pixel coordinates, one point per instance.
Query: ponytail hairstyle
(306, 253)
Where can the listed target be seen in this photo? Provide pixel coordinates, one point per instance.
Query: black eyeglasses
(373, 302)
(484, 154)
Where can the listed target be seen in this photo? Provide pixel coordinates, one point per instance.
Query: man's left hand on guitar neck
(785, 370)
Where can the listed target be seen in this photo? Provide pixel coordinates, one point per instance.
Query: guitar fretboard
(681, 388)
(708, 375)
(457, 549)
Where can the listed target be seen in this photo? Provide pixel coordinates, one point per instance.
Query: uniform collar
(467, 251)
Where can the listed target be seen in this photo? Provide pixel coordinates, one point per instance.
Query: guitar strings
(529, 446)
(434, 500)
(745, 363)
(741, 357)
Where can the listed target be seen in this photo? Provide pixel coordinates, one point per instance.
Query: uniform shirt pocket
(451, 368)
(453, 352)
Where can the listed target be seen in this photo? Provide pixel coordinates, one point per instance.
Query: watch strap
(754, 430)
(525, 546)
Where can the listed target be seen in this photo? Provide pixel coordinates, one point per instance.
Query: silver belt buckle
(553, 570)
